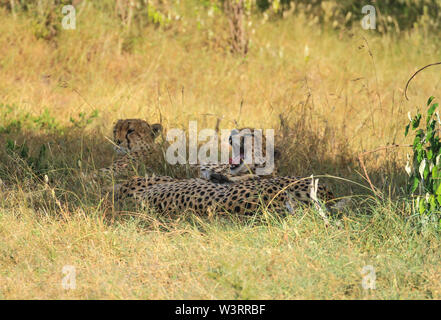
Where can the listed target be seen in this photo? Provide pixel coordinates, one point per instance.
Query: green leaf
(422, 206)
(435, 172)
(406, 131)
(415, 184)
(430, 100)
(429, 134)
(426, 172)
(416, 141)
(420, 153)
(432, 202)
(438, 190)
(432, 109)
(430, 154)
(416, 121)
(438, 198)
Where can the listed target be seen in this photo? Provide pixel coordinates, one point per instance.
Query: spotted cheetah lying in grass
(169, 195)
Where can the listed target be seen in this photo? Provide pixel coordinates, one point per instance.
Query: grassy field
(338, 93)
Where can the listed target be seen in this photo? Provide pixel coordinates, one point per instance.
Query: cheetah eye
(130, 131)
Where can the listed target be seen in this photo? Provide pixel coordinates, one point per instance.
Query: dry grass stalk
(235, 11)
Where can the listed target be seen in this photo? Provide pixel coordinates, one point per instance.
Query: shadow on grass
(50, 169)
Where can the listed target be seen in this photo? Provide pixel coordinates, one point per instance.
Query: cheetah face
(134, 134)
(244, 143)
(237, 140)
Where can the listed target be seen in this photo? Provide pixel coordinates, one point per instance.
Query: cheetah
(252, 140)
(135, 141)
(169, 195)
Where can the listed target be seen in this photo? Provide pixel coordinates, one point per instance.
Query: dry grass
(336, 101)
(290, 258)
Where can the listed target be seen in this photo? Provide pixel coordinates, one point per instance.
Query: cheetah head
(249, 151)
(134, 134)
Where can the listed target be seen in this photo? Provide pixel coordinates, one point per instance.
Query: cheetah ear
(156, 129)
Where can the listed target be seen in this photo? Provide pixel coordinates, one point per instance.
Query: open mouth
(236, 162)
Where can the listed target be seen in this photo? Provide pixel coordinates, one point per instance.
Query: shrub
(425, 178)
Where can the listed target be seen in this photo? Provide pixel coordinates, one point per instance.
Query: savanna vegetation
(333, 92)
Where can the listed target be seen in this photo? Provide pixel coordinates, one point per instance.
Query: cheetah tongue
(235, 162)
